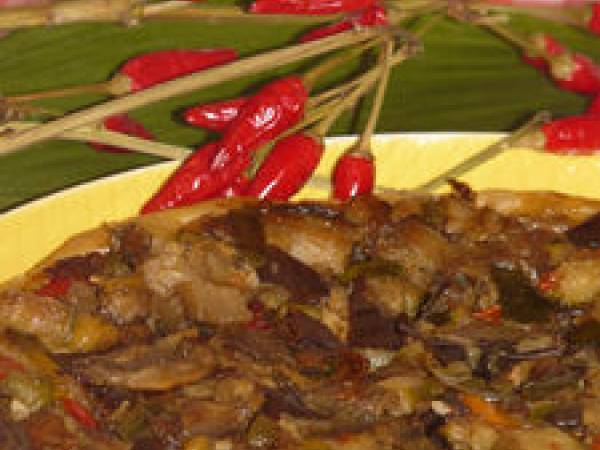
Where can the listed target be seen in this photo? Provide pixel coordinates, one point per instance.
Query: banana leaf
(465, 80)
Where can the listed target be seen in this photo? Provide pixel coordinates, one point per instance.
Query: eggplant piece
(519, 300)
(587, 233)
(585, 334)
(447, 351)
(369, 327)
(287, 399)
(303, 282)
(568, 416)
(549, 376)
(301, 331)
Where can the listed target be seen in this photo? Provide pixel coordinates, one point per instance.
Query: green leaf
(467, 79)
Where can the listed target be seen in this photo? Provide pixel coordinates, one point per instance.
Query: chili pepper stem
(209, 77)
(94, 134)
(131, 12)
(234, 14)
(364, 142)
(96, 88)
(329, 64)
(510, 36)
(485, 154)
(560, 14)
(357, 88)
(70, 11)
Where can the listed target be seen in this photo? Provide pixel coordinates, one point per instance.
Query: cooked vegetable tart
(461, 321)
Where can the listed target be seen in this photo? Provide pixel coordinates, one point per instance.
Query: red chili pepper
(549, 46)
(152, 68)
(122, 123)
(353, 175)
(373, 16)
(80, 413)
(492, 314)
(56, 287)
(308, 6)
(594, 106)
(286, 169)
(8, 364)
(214, 116)
(593, 23)
(575, 72)
(276, 107)
(578, 135)
(238, 188)
(178, 189)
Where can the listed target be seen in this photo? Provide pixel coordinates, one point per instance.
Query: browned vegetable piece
(167, 363)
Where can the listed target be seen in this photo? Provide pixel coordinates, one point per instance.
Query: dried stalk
(229, 14)
(94, 134)
(131, 12)
(183, 85)
(484, 154)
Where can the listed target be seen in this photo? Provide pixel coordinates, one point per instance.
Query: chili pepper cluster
(574, 72)
(264, 148)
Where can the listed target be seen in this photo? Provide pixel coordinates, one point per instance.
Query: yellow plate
(403, 161)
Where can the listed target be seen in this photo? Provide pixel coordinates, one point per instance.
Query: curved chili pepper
(576, 72)
(178, 190)
(121, 123)
(578, 135)
(215, 116)
(549, 46)
(593, 23)
(353, 175)
(143, 71)
(373, 16)
(237, 188)
(286, 169)
(80, 413)
(594, 107)
(308, 6)
(276, 107)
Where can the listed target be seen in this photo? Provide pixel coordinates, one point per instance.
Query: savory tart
(462, 321)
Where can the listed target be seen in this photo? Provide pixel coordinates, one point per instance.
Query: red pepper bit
(287, 168)
(215, 116)
(373, 16)
(353, 175)
(594, 107)
(8, 364)
(575, 72)
(491, 314)
(547, 282)
(122, 123)
(579, 135)
(593, 23)
(259, 320)
(56, 287)
(80, 413)
(308, 6)
(143, 71)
